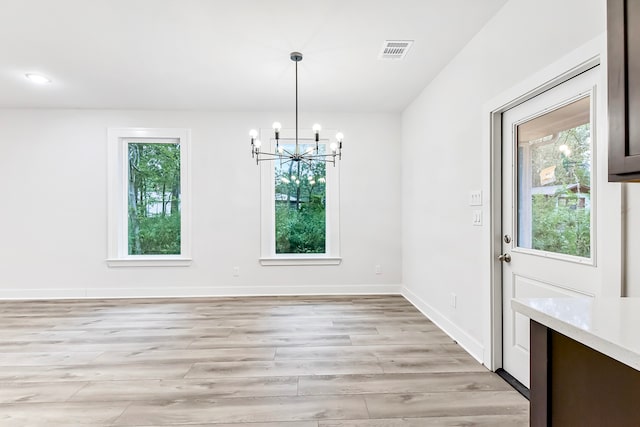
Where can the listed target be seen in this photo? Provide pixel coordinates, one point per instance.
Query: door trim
(580, 60)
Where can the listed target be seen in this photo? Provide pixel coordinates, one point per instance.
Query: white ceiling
(228, 55)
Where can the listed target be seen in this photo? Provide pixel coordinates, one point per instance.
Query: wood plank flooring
(365, 361)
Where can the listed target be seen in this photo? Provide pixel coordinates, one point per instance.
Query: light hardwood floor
(366, 361)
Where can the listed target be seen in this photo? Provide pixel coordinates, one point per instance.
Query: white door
(548, 207)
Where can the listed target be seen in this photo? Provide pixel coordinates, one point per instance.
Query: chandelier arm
(323, 160)
(268, 159)
(301, 139)
(281, 155)
(275, 157)
(319, 156)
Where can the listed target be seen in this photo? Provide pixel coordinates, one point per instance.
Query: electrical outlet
(236, 271)
(454, 300)
(378, 269)
(475, 198)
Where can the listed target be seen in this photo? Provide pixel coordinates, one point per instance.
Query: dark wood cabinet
(575, 385)
(623, 51)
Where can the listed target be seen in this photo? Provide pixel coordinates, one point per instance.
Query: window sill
(149, 261)
(291, 260)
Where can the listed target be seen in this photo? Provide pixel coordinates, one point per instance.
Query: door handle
(504, 257)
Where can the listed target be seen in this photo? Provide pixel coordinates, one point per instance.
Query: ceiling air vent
(395, 49)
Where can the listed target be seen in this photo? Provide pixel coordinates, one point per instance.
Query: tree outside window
(300, 206)
(560, 193)
(153, 199)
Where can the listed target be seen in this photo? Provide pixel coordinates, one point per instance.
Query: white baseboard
(39, 294)
(466, 341)
(189, 292)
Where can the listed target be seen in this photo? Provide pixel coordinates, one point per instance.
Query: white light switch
(477, 217)
(475, 198)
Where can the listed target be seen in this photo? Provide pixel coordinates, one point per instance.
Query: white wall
(53, 167)
(442, 158)
(632, 279)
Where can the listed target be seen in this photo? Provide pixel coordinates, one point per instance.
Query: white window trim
(267, 207)
(117, 252)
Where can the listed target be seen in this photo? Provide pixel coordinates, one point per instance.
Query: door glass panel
(554, 181)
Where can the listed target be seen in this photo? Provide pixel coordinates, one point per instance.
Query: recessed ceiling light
(38, 78)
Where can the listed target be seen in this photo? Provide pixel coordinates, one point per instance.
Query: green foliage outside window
(561, 229)
(300, 212)
(561, 222)
(154, 199)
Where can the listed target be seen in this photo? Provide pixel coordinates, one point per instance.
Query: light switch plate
(477, 217)
(475, 198)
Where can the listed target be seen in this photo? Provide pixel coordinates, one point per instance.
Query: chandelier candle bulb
(253, 134)
(276, 127)
(316, 130)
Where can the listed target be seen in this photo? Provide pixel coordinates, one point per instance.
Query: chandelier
(296, 153)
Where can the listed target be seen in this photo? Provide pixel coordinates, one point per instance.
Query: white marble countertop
(608, 325)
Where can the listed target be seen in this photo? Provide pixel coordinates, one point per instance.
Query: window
(300, 205)
(300, 208)
(554, 181)
(148, 197)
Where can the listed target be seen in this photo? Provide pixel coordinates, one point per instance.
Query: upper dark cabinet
(623, 51)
